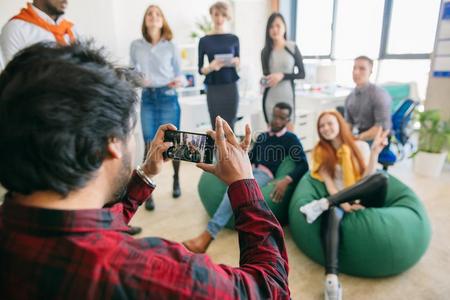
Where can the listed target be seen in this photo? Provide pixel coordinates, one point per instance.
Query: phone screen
(189, 146)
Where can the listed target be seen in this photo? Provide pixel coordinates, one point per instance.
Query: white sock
(314, 209)
(333, 290)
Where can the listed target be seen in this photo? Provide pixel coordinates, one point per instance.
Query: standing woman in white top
(347, 167)
(157, 58)
(282, 63)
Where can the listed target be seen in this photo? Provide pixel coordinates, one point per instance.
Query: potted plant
(434, 137)
(203, 27)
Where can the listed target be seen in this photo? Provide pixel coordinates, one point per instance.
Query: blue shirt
(159, 63)
(218, 44)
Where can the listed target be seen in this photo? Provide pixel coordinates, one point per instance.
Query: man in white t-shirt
(43, 20)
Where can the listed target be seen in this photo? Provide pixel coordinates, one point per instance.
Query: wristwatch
(145, 178)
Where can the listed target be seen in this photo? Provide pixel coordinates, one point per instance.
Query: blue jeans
(159, 106)
(224, 211)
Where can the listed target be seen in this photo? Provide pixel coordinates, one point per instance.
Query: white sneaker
(314, 209)
(333, 288)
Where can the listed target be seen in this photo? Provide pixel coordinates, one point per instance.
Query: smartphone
(189, 146)
(264, 82)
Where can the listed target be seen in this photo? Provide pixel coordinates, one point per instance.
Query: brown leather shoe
(199, 244)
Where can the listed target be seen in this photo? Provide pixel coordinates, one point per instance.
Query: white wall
(9, 9)
(250, 24)
(180, 14)
(115, 23)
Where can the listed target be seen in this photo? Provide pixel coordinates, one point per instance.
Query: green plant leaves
(434, 133)
(203, 27)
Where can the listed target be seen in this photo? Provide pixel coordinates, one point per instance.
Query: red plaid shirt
(87, 254)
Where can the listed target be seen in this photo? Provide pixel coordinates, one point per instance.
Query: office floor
(183, 218)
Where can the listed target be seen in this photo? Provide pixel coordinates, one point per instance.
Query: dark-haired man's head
(362, 69)
(281, 115)
(66, 119)
(53, 8)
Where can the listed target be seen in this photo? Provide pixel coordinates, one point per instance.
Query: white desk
(320, 101)
(195, 115)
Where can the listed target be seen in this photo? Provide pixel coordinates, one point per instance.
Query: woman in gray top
(282, 63)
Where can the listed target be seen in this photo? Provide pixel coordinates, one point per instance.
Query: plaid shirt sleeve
(263, 271)
(86, 254)
(137, 192)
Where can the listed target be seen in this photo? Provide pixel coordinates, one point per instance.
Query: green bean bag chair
(374, 242)
(212, 189)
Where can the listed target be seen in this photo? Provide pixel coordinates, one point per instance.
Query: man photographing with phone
(66, 149)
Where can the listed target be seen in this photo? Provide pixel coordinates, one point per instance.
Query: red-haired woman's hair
(325, 150)
(166, 32)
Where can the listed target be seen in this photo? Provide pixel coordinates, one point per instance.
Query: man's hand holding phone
(233, 163)
(154, 159)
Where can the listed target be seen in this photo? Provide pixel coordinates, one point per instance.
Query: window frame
(292, 34)
(386, 23)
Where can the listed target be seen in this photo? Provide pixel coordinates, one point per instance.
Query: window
(358, 28)
(398, 34)
(412, 26)
(314, 21)
(405, 70)
(343, 29)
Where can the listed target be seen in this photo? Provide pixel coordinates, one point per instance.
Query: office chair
(400, 133)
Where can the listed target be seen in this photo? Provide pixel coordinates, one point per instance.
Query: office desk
(195, 115)
(320, 101)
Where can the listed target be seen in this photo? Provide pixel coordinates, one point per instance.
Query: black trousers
(372, 193)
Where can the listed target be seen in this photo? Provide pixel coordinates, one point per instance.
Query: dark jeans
(159, 106)
(372, 193)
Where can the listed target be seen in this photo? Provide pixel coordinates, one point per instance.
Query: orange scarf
(59, 31)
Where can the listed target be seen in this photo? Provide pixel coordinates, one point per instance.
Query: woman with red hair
(346, 166)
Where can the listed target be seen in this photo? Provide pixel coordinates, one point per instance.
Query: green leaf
(434, 133)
